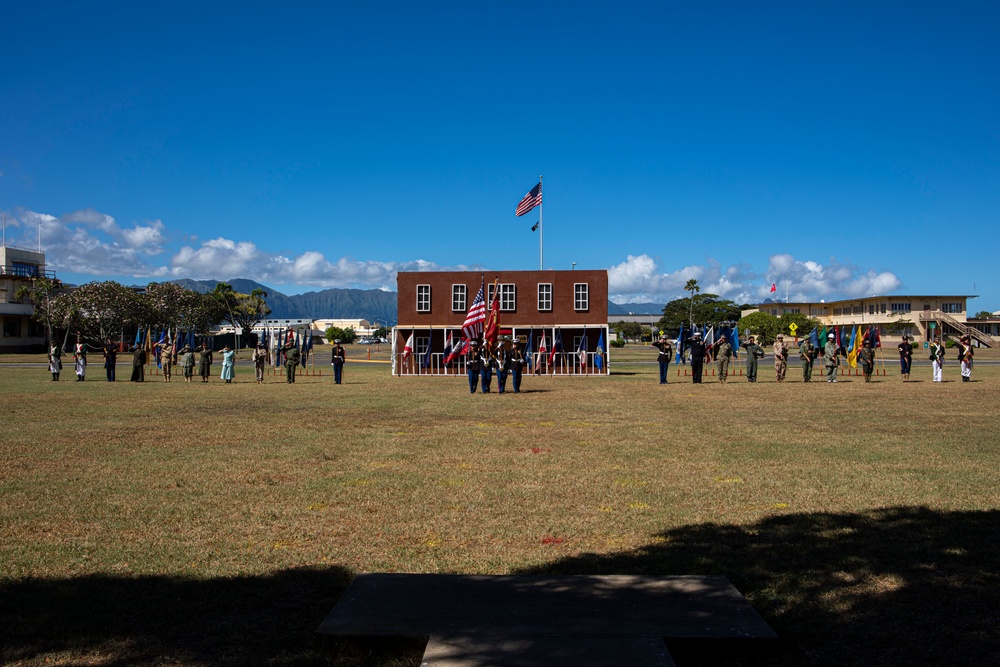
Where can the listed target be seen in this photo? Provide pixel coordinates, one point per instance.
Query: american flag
(473, 326)
(530, 201)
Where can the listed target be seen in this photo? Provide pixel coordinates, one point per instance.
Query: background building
(567, 308)
(20, 267)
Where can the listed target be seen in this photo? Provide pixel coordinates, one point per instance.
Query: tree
(226, 295)
(382, 332)
(40, 293)
(803, 324)
(628, 330)
(692, 287)
(242, 310)
(983, 315)
(344, 335)
(102, 310)
(762, 325)
(178, 308)
(250, 309)
(703, 308)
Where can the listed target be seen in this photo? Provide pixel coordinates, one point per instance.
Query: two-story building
(567, 310)
(18, 331)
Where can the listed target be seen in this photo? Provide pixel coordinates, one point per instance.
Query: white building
(20, 267)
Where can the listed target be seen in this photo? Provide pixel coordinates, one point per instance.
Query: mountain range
(371, 305)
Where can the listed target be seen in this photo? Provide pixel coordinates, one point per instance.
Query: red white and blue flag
(452, 350)
(530, 200)
(557, 347)
(473, 326)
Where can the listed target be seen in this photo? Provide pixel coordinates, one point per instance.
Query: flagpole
(540, 229)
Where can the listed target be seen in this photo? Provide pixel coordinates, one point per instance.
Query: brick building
(569, 308)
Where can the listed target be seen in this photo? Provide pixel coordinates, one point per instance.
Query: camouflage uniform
(754, 352)
(291, 361)
(780, 359)
(723, 352)
(807, 352)
(866, 355)
(830, 360)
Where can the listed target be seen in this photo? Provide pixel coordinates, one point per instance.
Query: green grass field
(198, 524)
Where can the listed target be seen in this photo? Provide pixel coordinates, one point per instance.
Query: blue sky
(839, 149)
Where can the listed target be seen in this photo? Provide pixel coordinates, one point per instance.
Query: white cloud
(224, 258)
(87, 241)
(148, 238)
(639, 279)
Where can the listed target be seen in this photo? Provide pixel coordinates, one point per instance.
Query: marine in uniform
(472, 363)
(697, 348)
(663, 358)
(723, 353)
(337, 358)
(807, 353)
(830, 359)
(502, 362)
(485, 367)
(780, 358)
(905, 357)
(110, 359)
(517, 362)
(754, 352)
(291, 353)
(866, 356)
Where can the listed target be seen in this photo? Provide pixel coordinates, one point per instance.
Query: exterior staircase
(962, 328)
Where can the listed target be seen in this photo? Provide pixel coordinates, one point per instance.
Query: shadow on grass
(899, 586)
(112, 620)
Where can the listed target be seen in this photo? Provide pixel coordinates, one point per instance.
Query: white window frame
(508, 297)
(421, 292)
(581, 304)
(542, 306)
(459, 298)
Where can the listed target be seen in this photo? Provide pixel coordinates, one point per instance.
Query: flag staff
(540, 231)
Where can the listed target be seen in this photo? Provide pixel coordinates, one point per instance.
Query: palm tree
(691, 286)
